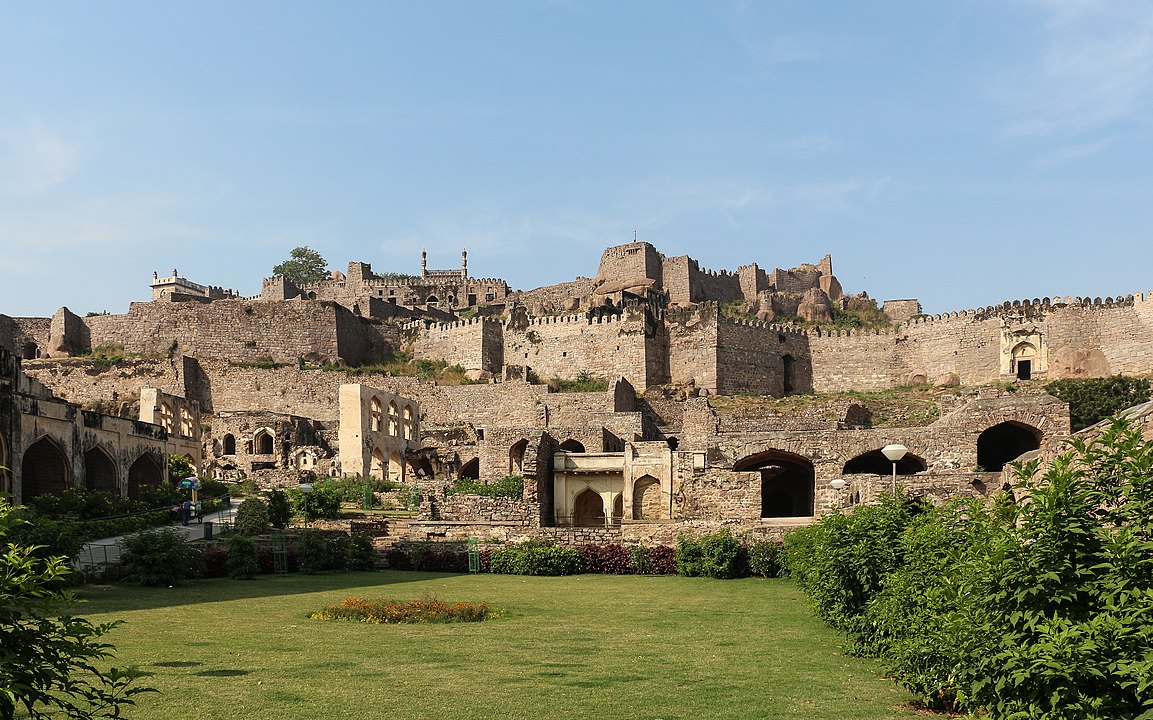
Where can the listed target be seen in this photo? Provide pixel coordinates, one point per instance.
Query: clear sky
(962, 152)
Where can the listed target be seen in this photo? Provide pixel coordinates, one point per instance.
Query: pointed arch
(376, 414)
(165, 417)
(100, 470)
(1005, 442)
(588, 508)
(874, 462)
(409, 423)
(144, 473)
(470, 470)
(516, 457)
(787, 482)
(376, 468)
(263, 442)
(647, 503)
(393, 419)
(395, 468)
(186, 422)
(572, 445)
(43, 469)
(228, 444)
(1023, 360)
(618, 509)
(5, 482)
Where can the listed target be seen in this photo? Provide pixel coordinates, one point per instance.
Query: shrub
(1091, 400)
(429, 610)
(316, 553)
(534, 558)
(765, 559)
(322, 502)
(159, 557)
(279, 509)
(662, 560)
(46, 538)
(214, 561)
(427, 557)
(606, 559)
(719, 555)
(361, 553)
(252, 517)
(242, 562)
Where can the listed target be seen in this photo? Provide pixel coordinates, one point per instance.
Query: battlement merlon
(163, 288)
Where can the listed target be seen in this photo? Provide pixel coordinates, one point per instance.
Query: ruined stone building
(694, 431)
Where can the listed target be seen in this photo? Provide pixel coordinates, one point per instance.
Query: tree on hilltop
(303, 266)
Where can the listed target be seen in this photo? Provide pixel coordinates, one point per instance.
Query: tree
(180, 467)
(304, 266)
(50, 660)
(1091, 400)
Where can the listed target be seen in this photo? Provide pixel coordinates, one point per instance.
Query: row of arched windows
(45, 469)
(263, 443)
(166, 419)
(401, 419)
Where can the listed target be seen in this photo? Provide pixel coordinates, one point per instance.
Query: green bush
(718, 555)
(160, 556)
(510, 486)
(279, 509)
(317, 554)
(361, 553)
(765, 559)
(242, 559)
(252, 517)
(535, 558)
(322, 502)
(46, 538)
(1091, 400)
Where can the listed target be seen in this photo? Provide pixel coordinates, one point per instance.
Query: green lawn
(589, 646)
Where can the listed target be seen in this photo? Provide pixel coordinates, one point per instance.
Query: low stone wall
(479, 508)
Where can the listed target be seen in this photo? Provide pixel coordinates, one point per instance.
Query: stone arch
(573, 445)
(1024, 360)
(263, 442)
(43, 469)
(100, 470)
(186, 422)
(166, 416)
(516, 457)
(393, 419)
(228, 444)
(618, 509)
(470, 470)
(376, 414)
(588, 508)
(145, 472)
(305, 459)
(1005, 442)
(421, 468)
(376, 468)
(647, 503)
(395, 468)
(29, 351)
(432, 300)
(787, 482)
(874, 462)
(788, 374)
(409, 423)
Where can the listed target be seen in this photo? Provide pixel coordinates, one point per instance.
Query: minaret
(423, 263)
(464, 264)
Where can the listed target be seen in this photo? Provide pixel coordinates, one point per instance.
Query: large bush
(279, 509)
(1031, 609)
(159, 557)
(242, 559)
(719, 555)
(510, 486)
(252, 517)
(535, 558)
(1091, 400)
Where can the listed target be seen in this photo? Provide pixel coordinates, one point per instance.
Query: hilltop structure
(693, 430)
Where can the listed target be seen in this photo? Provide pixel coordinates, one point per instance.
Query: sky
(962, 153)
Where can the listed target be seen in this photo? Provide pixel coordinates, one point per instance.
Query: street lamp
(305, 489)
(894, 453)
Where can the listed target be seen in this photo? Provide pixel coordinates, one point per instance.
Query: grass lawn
(587, 646)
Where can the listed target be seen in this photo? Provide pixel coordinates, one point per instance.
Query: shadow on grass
(122, 597)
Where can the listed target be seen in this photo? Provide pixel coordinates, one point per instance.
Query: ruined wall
(692, 343)
(759, 358)
(241, 330)
(552, 299)
(608, 347)
(629, 263)
(25, 337)
(475, 344)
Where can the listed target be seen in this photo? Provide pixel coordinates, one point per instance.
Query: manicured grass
(588, 646)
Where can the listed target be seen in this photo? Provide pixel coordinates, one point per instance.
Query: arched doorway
(573, 446)
(262, 443)
(43, 470)
(516, 457)
(228, 445)
(647, 503)
(376, 464)
(787, 482)
(1024, 360)
(395, 468)
(788, 374)
(100, 471)
(376, 413)
(470, 470)
(875, 463)
(588, 509)
(145, 472)
(1005, 442)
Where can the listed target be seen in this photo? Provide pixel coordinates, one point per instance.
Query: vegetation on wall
(585, 381)
(509, 486)
(1091, 400)
(303, 266)
(1028, 609)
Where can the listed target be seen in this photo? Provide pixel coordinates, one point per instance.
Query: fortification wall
(692, 343)
(713, 286)
(24, 336)
(241, 330)
(608, 347)
(634, 261)
(518, 405)
(475, 344)
(751, 358)
(563, 297)
(677, 273)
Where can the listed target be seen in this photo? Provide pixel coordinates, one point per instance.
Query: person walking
(185, 512)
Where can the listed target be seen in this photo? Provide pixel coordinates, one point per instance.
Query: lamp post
(838, 484)
(305, 489)
(894, 453)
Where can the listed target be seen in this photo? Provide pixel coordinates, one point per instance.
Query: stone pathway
(98, 553)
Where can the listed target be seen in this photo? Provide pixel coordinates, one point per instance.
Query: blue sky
(962, 152)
